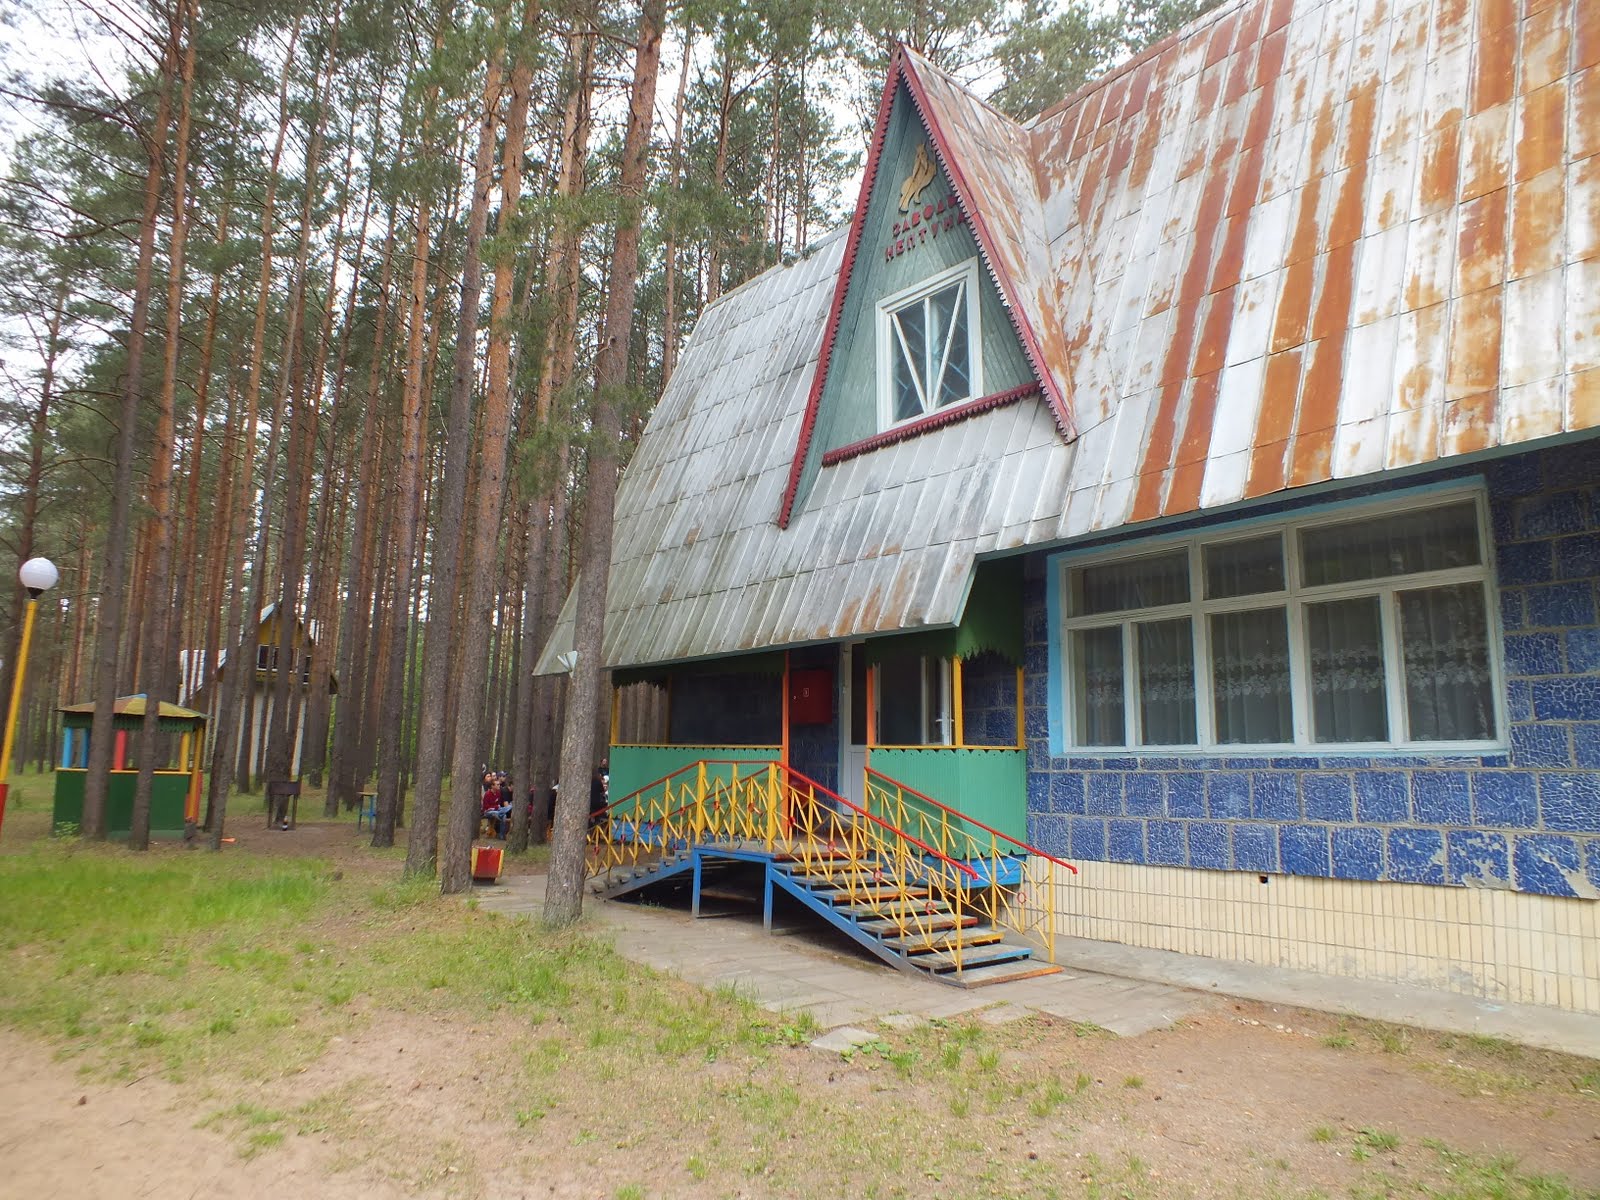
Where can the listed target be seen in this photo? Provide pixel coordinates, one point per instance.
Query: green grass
(1378, 1139)
(1494, 1177)
(235, 970)
(1323, 1134)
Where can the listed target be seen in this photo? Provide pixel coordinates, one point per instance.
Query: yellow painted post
(1050, 914)
(958, 702)
(616, 716)
(196, 747)
(16, 700)
(700, 794)
(772, 805)
(872, 725)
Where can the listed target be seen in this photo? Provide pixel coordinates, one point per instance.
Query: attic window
(928, 346)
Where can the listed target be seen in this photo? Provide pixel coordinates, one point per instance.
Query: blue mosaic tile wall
(1527, 819)
(989, 689)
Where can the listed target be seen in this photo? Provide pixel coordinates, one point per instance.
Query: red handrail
(956, 812)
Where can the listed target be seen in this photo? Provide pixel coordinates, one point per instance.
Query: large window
(928, 348)
(1354, 632)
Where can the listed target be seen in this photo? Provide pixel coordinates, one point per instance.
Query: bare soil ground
(1246, 1101)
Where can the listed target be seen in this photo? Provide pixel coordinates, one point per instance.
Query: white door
(853, 723)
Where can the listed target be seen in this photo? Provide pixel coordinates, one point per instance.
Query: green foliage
(1049, 50)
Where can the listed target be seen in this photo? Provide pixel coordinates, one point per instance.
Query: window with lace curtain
(1367, 631)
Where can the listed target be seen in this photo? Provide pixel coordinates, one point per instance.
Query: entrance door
(853, 723)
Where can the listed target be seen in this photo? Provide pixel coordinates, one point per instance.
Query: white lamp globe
(38, 574)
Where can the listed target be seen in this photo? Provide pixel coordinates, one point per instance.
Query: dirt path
(1226, 1105)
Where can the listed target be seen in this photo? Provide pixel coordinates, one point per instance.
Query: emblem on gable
(922, 174)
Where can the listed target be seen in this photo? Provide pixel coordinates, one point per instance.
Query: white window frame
(1293, 599)
(892, 304)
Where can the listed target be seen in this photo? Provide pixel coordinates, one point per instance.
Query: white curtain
(1434, 539)
(1098, 654)
(1445, 646)
(1250, 676)
(1348, 700)
(1166, 683)
(1246, 568)
(1142, 583)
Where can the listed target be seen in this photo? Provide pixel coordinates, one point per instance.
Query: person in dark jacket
(597, 797)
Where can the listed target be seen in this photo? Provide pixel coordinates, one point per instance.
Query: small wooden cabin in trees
(203, 693)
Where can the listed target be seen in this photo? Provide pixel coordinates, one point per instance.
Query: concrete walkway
(802, 965)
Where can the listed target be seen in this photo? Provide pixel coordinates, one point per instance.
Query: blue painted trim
(1317, 750)
(1056, 667)
(1198, 526)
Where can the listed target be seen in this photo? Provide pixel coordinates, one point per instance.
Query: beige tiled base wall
(1503, 946)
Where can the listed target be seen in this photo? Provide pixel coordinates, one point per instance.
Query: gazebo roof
(128, 713)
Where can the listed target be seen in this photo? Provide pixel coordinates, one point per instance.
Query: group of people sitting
(497, 800)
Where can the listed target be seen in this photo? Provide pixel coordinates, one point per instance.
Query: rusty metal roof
(1300, 241)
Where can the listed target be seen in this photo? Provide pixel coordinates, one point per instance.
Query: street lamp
(37, 575)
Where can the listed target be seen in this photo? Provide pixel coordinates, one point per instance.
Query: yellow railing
(1019, 887)
(892, 861)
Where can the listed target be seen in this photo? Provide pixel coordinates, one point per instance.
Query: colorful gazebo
(175, 796)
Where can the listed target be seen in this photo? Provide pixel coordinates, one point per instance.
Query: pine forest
(328, 326)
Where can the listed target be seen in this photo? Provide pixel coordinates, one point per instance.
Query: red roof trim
(934, 420)
(830, 331)
(1008, 287)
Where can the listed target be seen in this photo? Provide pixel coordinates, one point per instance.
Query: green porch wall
(987, 785)
(634, 768)
(166, 800)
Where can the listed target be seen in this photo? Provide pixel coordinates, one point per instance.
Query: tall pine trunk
(413, 440)
(240, 680)
(564, 896)
(439, 663)
(546, 575)
(156, 670)
(113, 579)
(493, 441)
